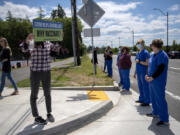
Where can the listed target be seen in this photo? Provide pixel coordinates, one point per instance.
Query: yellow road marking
(97, 96)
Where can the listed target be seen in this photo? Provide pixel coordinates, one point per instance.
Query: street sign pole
(93, 49)
(92, 41)
(91, 13)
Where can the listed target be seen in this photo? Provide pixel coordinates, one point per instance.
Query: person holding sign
(40, 72)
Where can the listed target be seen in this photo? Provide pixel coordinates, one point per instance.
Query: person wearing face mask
(157, 78)
(142, 60)
(119, 69)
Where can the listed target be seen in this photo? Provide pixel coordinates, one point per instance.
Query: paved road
(173, 84)
(24, 73)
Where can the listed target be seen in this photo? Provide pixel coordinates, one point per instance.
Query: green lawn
(75, 76)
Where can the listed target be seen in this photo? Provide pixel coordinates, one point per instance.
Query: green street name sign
(47, 30)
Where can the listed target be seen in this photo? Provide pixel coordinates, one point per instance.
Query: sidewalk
(128, 118)
(72, 110)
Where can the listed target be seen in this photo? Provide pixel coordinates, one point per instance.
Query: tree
(58, 13)
(135, 48)
(9, 16)
(41, 13)
(15, 30)
(115, 50)
(174, 46)
(53, 14)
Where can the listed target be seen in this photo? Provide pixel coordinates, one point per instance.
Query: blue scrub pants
(143, 88)
(109, 67)
(3, 78)
(120, 75)
(159, 104)
(126, 80)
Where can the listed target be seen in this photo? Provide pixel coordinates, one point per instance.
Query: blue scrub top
(118, 56)
(155, 60)
(142, 56)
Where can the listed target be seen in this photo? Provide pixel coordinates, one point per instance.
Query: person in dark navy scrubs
(157, 78)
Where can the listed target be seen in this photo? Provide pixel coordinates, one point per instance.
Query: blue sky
(121, 17)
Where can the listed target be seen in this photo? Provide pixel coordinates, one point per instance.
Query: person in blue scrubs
(157, 78)
(109, 61)
(119, 69)
(142, 60)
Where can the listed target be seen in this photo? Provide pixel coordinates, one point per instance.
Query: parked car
(174, 54)
(133, 53)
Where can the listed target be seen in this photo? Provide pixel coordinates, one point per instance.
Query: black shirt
(5, 54)
(109, 55)
(95, 57)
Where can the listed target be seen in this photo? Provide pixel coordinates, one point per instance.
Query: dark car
(174, 54)
(133, 53)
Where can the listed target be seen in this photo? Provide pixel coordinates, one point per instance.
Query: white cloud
(113, 7)
(18, 10)
(68, 12)
(119, 20)
(174, 7)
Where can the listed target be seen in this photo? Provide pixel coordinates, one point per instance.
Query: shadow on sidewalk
(143, 110)
(32, 127)
(80, 97)
(2, 97)
(164, 130)
(125, 92)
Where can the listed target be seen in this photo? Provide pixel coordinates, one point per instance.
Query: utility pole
(119, 41)
(167, 38)
(167, 48)
(73, 34)
(133, 38)
(132, 30)
(111, 44)
(76, 33)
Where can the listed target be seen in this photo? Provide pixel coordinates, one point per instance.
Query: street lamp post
(132, 36)
(167, 15)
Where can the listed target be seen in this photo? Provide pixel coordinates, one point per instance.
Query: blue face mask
(139, 46)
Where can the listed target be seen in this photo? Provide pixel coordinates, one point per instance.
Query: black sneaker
(39, 120)
(151, 115)
(144, 104)
(50, 118)
(162, 123)
(138, 101)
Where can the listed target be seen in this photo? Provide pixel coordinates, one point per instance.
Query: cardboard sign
(47, 31)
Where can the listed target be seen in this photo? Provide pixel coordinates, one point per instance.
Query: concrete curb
(75, 122)
(84, 88)
(102, 88)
